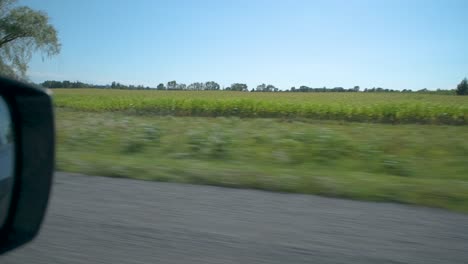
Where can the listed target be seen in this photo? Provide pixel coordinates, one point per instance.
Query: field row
(383, 108)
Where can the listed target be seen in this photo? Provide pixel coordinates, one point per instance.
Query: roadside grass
(413, 164)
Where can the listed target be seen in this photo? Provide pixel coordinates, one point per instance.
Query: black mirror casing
(32, 115)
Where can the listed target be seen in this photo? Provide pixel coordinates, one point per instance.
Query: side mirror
(26, 161)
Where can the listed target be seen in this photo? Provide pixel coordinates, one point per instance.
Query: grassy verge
(414, 164)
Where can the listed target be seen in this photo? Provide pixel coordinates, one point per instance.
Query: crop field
(392, 108)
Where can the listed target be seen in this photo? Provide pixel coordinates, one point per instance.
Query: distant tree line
(68, 84)
(367, 90)
(462, 88)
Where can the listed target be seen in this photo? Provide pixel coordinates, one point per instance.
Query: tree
(22, 32)
(66, 84)
(211, 86)
(303, 88)
(462, 88)
(424, 90)
(239, 87)
(171, 85)
(181, 86)
(270, 88)
(261, 87)
(196, 86)
(161, 87)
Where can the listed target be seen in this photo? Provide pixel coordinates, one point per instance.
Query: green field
(111, 134)
(363, 107)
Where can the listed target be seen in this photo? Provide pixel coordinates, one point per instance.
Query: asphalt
(106, 220)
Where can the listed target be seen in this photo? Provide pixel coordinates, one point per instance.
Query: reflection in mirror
(7, 160)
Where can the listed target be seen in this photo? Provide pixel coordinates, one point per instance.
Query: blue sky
(406, 44)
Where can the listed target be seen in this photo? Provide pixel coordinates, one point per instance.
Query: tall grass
(415, 164)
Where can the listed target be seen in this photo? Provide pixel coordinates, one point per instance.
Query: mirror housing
(7, 160)
(33, 125)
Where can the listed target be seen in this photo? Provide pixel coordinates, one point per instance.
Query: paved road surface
(105, 220)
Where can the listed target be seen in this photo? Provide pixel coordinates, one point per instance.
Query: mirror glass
(7, 159)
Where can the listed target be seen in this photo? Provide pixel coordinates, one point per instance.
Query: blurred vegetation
(410, 163)
(362, 107)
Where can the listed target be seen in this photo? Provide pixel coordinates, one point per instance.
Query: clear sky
(407, 44)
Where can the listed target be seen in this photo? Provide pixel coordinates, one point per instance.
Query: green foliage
(64, 84)
(213, 86)
(393, 165)
(133, 145)
(240, 87)
(462, 88)
(161, 86)
(22, 32)
(172, 85)
(358, 107)
(6, 70)
(208, 144)
(416, 164)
